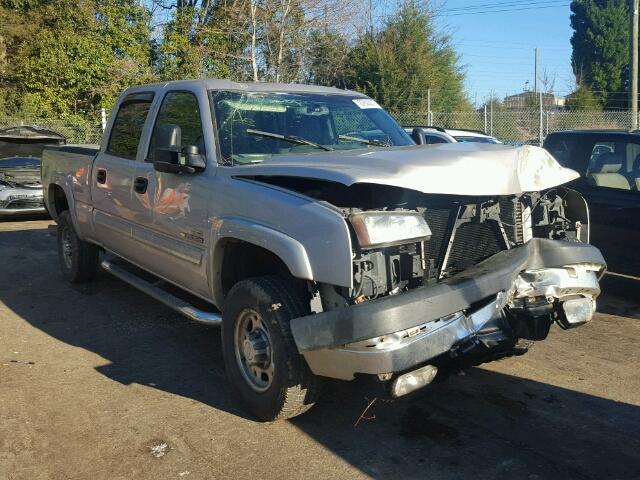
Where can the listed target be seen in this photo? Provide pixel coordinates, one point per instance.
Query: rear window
(127, 129)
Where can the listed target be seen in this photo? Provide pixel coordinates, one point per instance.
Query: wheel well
(58, 199)
(243, 260)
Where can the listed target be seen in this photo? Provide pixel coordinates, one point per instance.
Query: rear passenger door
(113, 172)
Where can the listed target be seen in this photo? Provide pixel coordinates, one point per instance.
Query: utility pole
(634, 65)
(485, 118)
(541, 131)
(535, 70)
(491, 115)
(371, 18)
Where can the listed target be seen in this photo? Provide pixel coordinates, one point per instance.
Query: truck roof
(217, 84)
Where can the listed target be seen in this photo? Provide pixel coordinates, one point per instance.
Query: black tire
(292, 389)
(78, 259)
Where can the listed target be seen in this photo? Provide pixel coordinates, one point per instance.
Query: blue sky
(497, 48)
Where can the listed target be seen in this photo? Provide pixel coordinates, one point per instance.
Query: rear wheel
(260, 355)
(78, 259)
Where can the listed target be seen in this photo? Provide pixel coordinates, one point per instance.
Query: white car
(441, 135)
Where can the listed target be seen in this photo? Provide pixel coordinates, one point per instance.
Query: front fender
(288, 249)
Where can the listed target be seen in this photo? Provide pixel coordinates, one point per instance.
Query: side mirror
(174, 160)
(193, 157)
(418, 136)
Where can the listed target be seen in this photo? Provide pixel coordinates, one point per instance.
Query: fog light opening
(412, 381)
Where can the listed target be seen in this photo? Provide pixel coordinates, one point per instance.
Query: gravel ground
(100, 381)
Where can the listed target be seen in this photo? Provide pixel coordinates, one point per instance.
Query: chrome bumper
(573, 285)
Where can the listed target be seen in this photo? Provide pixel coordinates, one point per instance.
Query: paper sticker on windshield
(366, 103)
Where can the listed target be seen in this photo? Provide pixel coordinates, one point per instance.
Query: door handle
(101, 176)
(140, 184)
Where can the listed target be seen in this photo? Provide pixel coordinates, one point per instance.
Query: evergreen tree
(600, 44)
(398, 64)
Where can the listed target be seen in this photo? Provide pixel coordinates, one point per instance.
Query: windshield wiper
(288, 138)
(376, 143)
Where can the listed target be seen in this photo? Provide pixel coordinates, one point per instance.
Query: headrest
(608, 162)
(610, 168)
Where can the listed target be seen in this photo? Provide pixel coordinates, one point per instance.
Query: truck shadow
(483, 424)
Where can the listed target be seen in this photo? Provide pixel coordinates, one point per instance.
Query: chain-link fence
(75, 130)
(522, 126)
(516, 127)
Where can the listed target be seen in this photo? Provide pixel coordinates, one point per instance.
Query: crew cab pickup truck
(308, 224)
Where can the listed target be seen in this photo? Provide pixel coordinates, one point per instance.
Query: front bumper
(22, 205)
(426, 322)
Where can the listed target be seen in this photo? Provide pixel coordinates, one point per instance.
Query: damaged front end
(486, 273)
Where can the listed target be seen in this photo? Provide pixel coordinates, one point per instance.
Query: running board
(164, 297)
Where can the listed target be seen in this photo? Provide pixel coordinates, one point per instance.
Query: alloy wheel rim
(253, 351)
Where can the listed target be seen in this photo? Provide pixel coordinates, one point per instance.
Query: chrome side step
(171, 301)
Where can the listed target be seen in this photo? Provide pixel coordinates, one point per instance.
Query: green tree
(327, 58)
(72, 57)
(409, 55)
(600, 44)
(583, 99)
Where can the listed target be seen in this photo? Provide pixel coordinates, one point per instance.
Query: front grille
(24, 203)
(473, 243)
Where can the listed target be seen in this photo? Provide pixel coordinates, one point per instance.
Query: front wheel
(260, 355)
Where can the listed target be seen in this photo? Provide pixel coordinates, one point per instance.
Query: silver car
(20, 151)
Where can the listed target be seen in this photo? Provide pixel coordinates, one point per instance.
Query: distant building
(528, 100)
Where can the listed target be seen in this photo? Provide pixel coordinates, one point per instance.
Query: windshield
(255, 126)
(475, 139)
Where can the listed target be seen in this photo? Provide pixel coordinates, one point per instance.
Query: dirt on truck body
(309, 225)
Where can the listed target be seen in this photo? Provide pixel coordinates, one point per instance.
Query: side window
(127, 128)
(614, 165)
(180, 114)
(431, 139)
(571, 152)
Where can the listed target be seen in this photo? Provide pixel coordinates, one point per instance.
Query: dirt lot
(102, 382)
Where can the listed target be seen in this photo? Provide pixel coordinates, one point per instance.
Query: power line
(513, 3)
(500, 11)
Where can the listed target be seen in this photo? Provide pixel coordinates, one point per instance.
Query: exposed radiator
(474, 240)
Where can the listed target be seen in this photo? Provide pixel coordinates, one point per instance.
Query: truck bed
(68, 165)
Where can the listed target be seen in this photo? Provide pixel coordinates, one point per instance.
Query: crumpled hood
(454, 168)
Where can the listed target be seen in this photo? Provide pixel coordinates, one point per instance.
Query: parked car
(331, 244)
(609, 166)
(20, 151)
(446, 135)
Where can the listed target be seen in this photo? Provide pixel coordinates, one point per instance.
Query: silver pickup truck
(326, 243)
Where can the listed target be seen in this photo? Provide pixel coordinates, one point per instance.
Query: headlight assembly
(378, 229)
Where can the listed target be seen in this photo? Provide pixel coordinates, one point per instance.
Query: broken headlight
(376, 229)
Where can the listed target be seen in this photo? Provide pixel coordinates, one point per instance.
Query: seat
(610, 180)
